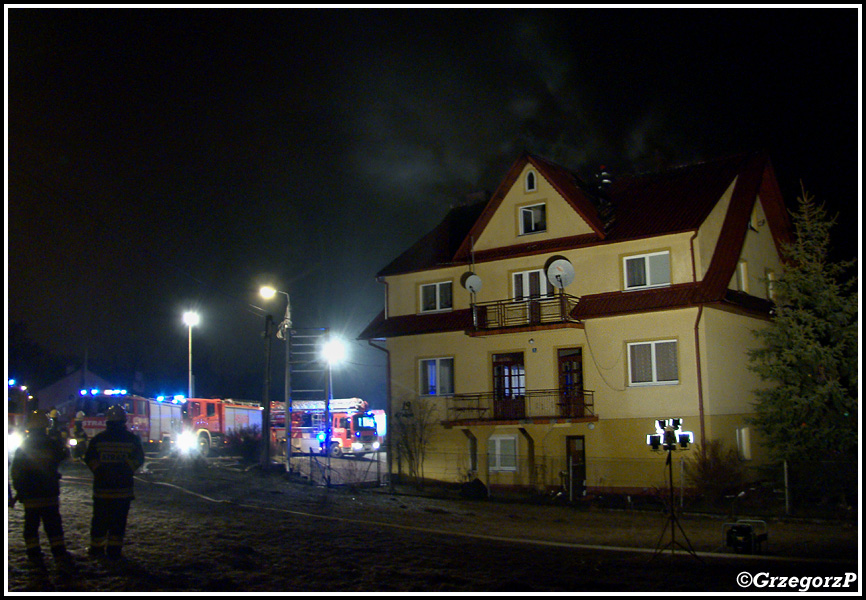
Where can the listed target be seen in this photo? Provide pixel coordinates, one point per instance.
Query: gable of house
(706, 209)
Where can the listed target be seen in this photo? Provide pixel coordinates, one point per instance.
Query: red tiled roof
(458, 320)
(615, 303)
(438, 247)
(645, 205)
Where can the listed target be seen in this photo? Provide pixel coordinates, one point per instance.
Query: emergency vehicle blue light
(11, 382)
(179, 398)
(83, 392)
(94, 392)
(321, 436)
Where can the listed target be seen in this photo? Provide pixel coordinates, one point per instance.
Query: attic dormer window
(533, 219)
(530, 182)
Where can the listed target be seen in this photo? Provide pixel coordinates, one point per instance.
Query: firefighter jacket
(114, 455)
(34, 470)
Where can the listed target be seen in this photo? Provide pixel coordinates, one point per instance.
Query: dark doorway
(575, 455)
(571, 403)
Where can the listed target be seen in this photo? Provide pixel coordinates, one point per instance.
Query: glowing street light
(191, 319)
(334, 351)
(285, 333)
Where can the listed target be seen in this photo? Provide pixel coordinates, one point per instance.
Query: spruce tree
(809, 355)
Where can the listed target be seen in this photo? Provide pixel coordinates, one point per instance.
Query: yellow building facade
(549, 327)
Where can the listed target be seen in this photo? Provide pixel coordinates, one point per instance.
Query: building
(552, 325)
(64, 393)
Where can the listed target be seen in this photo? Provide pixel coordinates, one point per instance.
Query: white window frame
(495, 455)
(652, 275)
(439, 296)
(771, 284)
(654, 367)
(528, 208)
(443, 388)
(546, 288)
(742, 276)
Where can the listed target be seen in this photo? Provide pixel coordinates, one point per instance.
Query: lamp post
(333, 352)
(191, 319)
(285, 333)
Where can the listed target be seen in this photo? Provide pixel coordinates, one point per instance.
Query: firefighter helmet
(115, 414)
(37, 420)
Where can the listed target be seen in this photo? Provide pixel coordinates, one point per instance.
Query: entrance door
(509, 386)
(575, 455)
(571, 402)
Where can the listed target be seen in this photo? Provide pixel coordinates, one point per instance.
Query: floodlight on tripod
(669, 435)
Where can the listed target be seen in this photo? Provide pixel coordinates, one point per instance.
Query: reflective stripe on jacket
(114, 455)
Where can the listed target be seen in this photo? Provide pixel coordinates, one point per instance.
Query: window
(437, 377)
(533, 219)
(531, 284)
(530, 182)
(653, 363)
(647, 270)
(771, 285)
(436, 296)
(742, 276)
(502, 452)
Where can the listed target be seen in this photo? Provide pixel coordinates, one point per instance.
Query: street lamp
(333, 352)
(285, 333)
(191, 319)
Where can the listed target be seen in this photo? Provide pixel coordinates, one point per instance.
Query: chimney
(603, 183)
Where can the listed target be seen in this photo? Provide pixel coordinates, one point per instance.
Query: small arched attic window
(530, 181)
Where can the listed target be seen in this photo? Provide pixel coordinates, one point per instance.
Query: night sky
(161, 160)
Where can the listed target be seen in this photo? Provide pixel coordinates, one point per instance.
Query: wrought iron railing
(539, 404)
(516, 313)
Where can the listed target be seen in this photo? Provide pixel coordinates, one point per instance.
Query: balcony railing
(534, 404)
(516, 313)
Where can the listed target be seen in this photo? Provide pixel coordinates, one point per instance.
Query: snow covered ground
(221, 528)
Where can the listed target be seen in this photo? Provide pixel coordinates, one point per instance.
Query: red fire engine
(207, 421)
(154, 421)
(353, 427)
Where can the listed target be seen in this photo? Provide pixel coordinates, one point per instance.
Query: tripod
(672, 520)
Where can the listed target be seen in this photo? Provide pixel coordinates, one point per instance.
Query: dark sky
(160, 160)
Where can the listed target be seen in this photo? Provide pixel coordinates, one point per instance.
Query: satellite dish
(472, 282)
(560, 272)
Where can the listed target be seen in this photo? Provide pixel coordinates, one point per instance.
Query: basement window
(502, 452)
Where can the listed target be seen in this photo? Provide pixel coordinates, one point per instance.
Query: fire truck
(18, 404)
(208, 421)
(156, 421)
(353, 427)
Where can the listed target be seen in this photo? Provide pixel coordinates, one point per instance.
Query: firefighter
(113, 455)
(37, 481)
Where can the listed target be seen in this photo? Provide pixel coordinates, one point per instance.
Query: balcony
(508, 314)
(540, 405)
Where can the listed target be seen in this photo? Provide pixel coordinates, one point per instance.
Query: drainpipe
(390, 409)
(698, 348)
